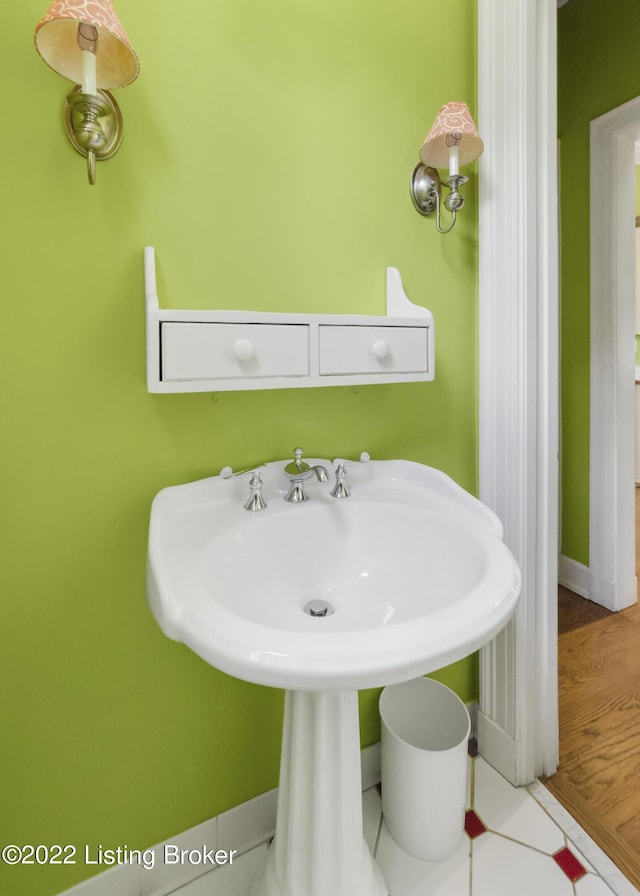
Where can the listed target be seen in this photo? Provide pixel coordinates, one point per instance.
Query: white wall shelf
(211, 351)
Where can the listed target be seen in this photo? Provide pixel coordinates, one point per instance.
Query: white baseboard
(613, 596)
(574, 576)
(497, 744)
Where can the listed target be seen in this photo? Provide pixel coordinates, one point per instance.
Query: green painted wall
(266, 156)
(598, 70)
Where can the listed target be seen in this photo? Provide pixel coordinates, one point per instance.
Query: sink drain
(318, 608)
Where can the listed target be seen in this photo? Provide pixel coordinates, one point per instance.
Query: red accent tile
(569, 864)
(473, 825)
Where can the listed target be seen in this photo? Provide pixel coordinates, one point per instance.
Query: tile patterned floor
(517, 840)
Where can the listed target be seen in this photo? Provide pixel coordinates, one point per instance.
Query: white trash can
(425, 733)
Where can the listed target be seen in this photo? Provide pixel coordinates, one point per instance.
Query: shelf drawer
(348, 350)
(212, 351)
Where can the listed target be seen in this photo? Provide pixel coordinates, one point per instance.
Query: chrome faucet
(298, 472)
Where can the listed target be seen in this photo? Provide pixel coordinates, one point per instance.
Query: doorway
(612, 575)
(599, 652)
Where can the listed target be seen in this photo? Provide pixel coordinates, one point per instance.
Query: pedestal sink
(322, 598)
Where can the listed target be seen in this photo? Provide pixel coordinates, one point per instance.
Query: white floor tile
(513, 812)
(408, 876)
(502, 867)
(592, 886)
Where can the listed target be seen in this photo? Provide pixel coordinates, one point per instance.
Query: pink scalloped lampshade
(56, 41)
(453, 126)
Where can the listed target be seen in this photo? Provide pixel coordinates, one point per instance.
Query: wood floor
(598, 780)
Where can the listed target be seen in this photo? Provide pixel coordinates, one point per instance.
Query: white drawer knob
(243, 349)
(381, 349)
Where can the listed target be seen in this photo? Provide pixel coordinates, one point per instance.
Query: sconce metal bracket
(93, 125)
(425, 189)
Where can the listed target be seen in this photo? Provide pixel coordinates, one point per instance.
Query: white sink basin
(412, 566)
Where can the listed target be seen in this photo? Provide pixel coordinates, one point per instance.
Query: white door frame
(612, 577)
(518, 372)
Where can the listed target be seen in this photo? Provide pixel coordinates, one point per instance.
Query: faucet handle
(340, 489)
(255, 501)
(297, 465)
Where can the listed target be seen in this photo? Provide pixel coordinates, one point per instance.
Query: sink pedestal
(319, 847)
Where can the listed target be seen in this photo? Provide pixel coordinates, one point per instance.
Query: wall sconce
(452, 141)
(86, 43)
